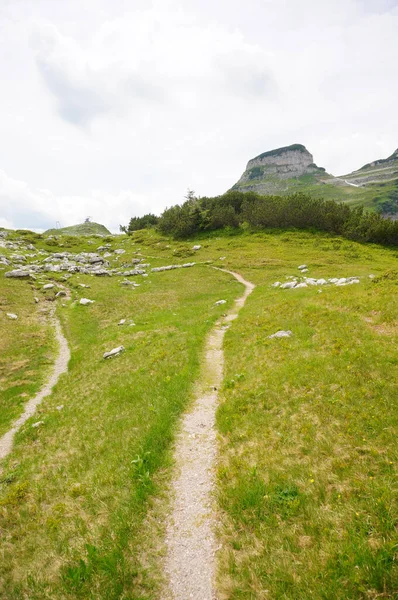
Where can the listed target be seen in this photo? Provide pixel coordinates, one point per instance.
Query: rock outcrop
(270, 171)
(292, 169)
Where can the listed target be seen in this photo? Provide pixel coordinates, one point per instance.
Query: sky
(114, 108)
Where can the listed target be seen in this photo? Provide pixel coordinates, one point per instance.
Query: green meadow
(306, 478)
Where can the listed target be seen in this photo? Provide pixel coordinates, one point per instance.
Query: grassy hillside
(380, 196)
(307, 489)
(89, 228)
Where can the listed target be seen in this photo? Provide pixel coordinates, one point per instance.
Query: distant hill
(292, 169)
(86, 228)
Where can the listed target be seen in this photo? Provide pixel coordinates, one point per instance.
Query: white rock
(114, 352)
(276, 284)
(301, 285)
(12, 316)
(197, 247)
(304, 270)
(281, 334)
(120, 251)
(301, 267)
(371, 276)
(60, 407)
(85, 301)
(122, 322)
(48, 286)
(321, 282)
(38, 424)
(333, 280)
(288, 285)
(341, 281)
(220, 302)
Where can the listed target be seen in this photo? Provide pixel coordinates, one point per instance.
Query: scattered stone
(371, 276)
(12, 316)
(127, 282)
(281, 334)
(301, 285)
(135, 261)
(276, 284)
(18, 273)
(86, 301)
(301, 267)
(196, 247)
(36, 300)
(288, 285)
(83, 285)
(122, 322)
(60, 407)
(38, 424)
(114, 352)
(60, 293)
(48, 286)
(220, 302)
(120, 251)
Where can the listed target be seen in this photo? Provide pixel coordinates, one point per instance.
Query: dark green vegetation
(137, 223)
(280, 151)
(307, 484)
(238, 209)
(86, 228)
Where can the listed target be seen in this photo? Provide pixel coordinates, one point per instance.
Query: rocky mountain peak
(288, 162)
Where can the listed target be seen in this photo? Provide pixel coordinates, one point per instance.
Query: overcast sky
(113, 108)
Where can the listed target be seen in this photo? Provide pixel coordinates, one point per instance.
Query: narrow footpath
(60, 366)
(190, 540)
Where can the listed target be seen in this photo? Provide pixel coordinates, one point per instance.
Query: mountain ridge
(292, 169)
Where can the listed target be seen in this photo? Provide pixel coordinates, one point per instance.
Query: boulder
(48, 286)
(288, 285)
(86, 301)
(18, 274)
(114, 352)
(281, 334)
(12, 316)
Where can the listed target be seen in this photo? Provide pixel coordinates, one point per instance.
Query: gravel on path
(190, 541)
(60, 366)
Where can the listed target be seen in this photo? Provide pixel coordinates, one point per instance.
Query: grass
(74, 493)
(26, 349)
(307, 477)
(89, 228)
(371, 197)
(307, 483)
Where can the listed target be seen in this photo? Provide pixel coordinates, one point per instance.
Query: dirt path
(60, 366)
(190, 542)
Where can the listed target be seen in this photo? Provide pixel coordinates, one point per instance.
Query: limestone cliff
(269, 172)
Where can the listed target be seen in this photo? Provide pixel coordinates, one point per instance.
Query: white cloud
(40, 209)
(167, 95)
